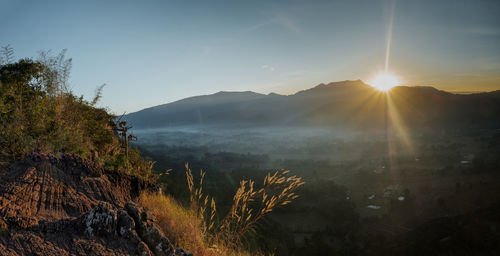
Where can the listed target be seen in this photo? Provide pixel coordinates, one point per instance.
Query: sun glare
(385, 81)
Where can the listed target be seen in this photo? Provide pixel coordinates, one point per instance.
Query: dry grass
(194, 227)
(199, 203)
(184, 227)
(250, 204)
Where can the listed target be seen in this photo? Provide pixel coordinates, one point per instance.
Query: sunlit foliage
(38, 112)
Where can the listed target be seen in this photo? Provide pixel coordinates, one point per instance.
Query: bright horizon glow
(384, 81)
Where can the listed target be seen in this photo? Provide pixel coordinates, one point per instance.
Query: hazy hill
(346, 103)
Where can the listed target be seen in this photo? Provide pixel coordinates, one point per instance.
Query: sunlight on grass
(183, 227)
(193, 226)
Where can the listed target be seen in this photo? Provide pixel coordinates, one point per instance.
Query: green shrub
(39, 113)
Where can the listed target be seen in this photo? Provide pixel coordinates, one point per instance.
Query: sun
(384, 81)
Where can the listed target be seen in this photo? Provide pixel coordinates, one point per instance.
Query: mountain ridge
(335, 103)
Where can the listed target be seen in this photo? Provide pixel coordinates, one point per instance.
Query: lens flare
(384, 81)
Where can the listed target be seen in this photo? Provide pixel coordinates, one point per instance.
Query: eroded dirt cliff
(68, 205)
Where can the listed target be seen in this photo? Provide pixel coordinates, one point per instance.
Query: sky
(154, 52)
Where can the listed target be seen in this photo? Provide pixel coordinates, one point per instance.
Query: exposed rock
(143, 250)
(150, 233)
(44, 187)
(180, 251)
(132, 224)
(100, 221)
(126, 226)
(3, 226)
(72, 206)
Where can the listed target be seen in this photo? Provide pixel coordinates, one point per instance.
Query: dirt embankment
(71, 206)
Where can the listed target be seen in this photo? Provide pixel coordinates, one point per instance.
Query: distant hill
(346, 103)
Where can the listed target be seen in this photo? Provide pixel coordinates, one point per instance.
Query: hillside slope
(70, 205)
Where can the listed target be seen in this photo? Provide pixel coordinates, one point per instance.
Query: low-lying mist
(296, 142)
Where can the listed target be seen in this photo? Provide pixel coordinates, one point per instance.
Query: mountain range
(346, 103)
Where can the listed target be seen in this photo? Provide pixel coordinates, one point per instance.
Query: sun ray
(398, 124)
(389, 36)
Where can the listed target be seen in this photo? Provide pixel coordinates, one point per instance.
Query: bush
(39, 113)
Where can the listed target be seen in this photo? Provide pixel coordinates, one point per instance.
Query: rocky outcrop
(71, 206)
(130, 223)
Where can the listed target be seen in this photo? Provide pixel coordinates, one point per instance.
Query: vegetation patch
(195, 226)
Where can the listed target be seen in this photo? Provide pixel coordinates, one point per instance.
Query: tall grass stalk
(195, 227)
